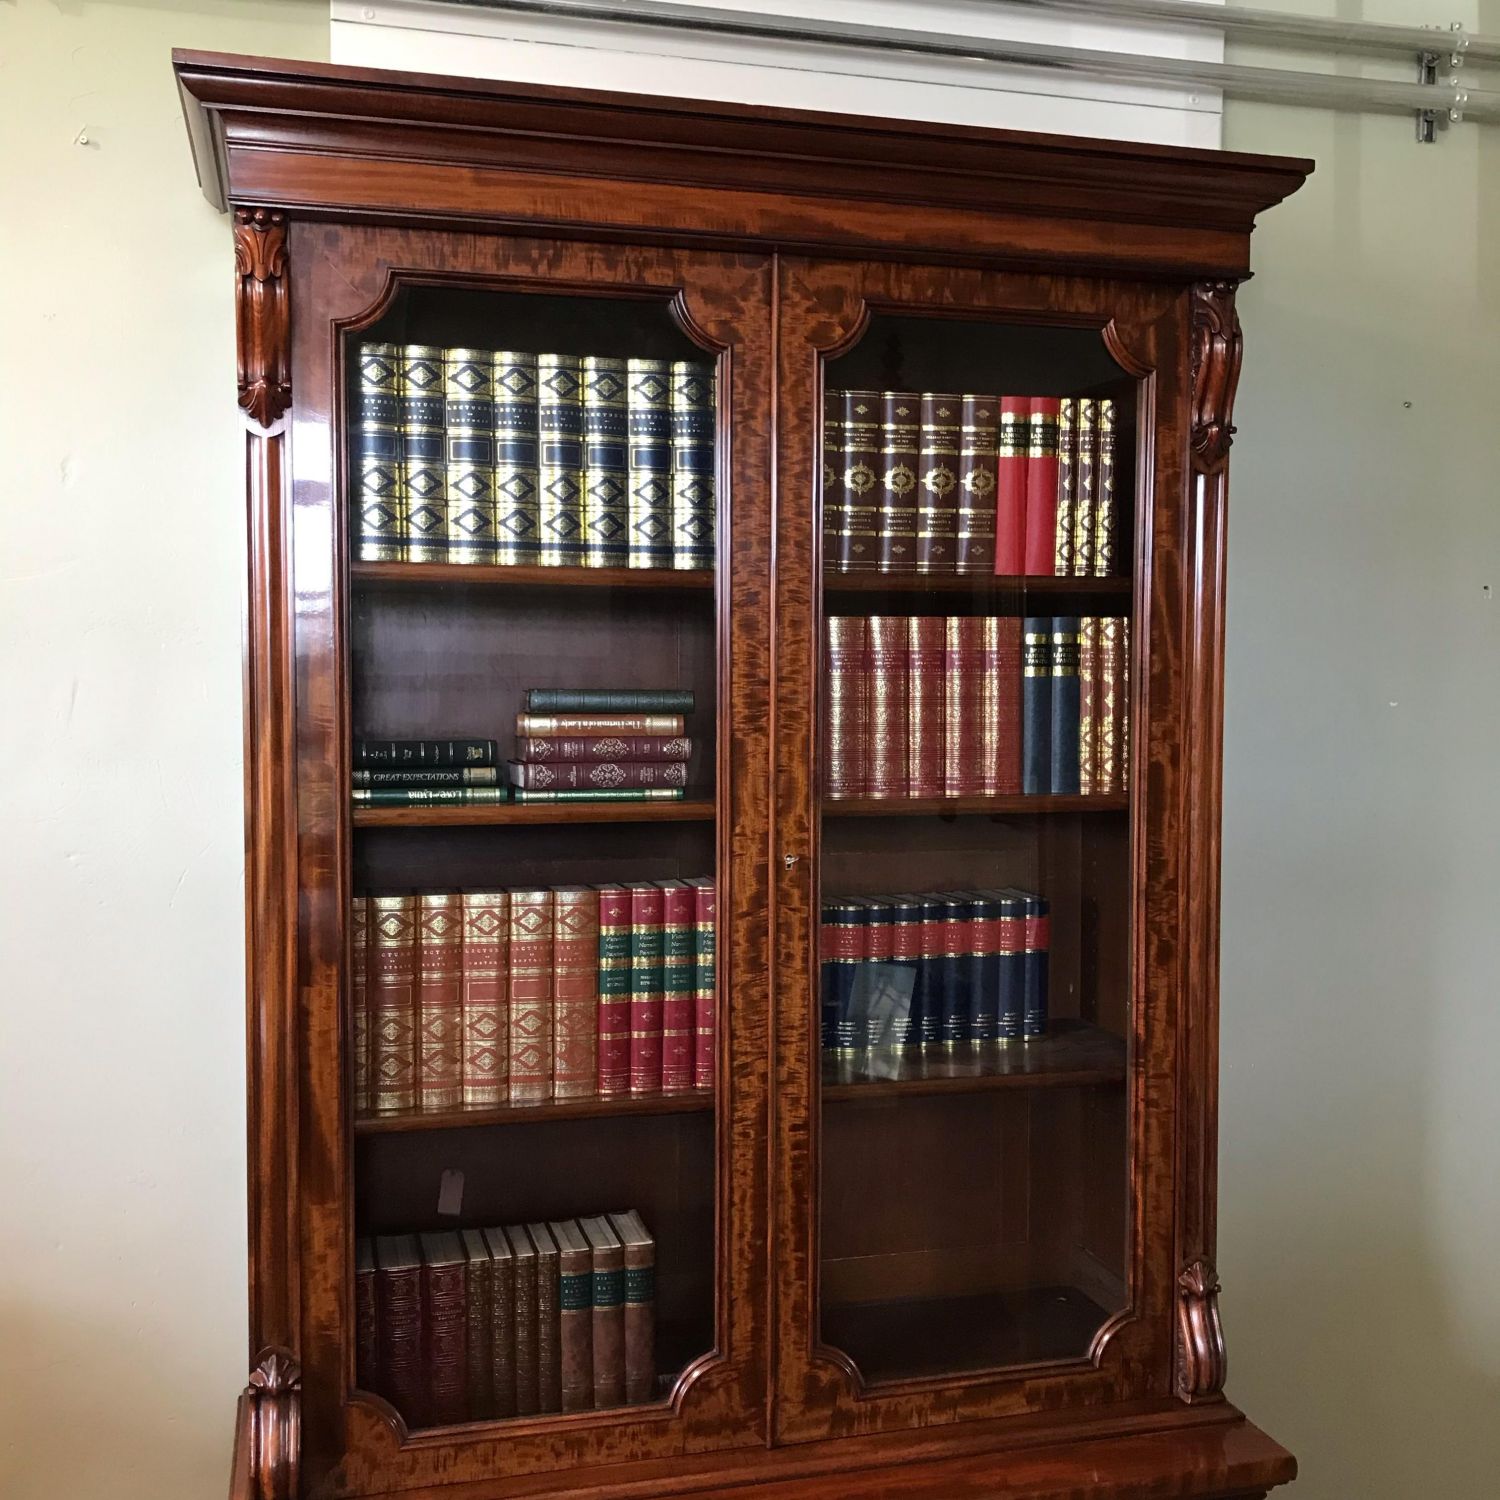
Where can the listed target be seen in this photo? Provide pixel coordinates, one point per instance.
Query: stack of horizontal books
(414, 773)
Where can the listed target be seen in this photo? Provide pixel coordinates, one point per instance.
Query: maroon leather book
(445, 1323)
(846, 710)
(900, 413)
(366, 1320)
(1041, 485)
(1010, 485)
(937, 518)
(439, 1000)
(679, 984)
(888, 729)
(530, 1028)
(926, 650)
(1000, 696)
(962, 709)
(575, 986)
(548, 1332)
(640, 1305)
(646, 977)
(978, 476)
(393, 1004)
(608, 1297)
(705, 1028)
(575, 1314)
(597, 776)
(614, 990)
(398, 1310)
(532, 748)
(857, 549)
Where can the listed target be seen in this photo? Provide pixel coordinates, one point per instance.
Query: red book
(486, 998)
(705, 910)
(846, 711)
(887, 729)
(595, 775)
(530, 996)
(646, 907)
(398, 1311)
(1041, 485)
(1000, 698)
(978, 477)
(1010, 485)
(533, 748)
(679, 983)
(614, 990)
(393, 1004)
(963, 737)
(925, 655)
(575, 991)
(439, 1000)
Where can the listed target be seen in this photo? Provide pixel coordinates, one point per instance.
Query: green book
(559, 473)
(693, 422)
(610, 794)
(469, 458)
(376, 459)
(423, 796)
(649, 424)
(606, 510)
(514, 483)
(422, 462)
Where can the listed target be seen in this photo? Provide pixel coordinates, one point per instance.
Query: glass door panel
(976, 900)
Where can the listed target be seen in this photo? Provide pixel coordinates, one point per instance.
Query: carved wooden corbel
(268, 1443)
(1217, 349)
(262, 314)
(1202, 1361)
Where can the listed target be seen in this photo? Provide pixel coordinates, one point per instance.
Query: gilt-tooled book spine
(359, 1000)
(606, 464)
(984, 966)
(517, 521)
(548, 1340)
(954, 1025)
(393, 1004)
(937, 465)
(1038, 941)
(486, 998)
(1012, 946)
(444, 1329)
(608, 1300)
(1086, 472)
(375, 463)
(1000, 695)
(439, 1000)
(502, 1324)
(432, 777)
(596, 775)
(1065, 706)
(1012, 444)
(575, 979)
(575, 1314)
(602, 794)
(479, 1296)
(366, 1318)
(661, 747)
(422, 754)
(422, 796)
(646, 977)
(531, 929)
(900, 428)
(558, 726)
(926, 650)
(1089, 703)
(423, 464)
(639, 1253)
(859, 540)
(831, 497)
(1036, 705)
(524, 1319)
(649, 423)
(705, 1029)
(1114, 655)
(889, 728)
(694, 415)
(962, 705)
(1067, 486)
(978, 480)
(614, 990)
(1105, 526)
(679, 981)
(609, 701)
(1041, 484)
(398, 1308)
(469, 420)
(559, 472)
(846, 714)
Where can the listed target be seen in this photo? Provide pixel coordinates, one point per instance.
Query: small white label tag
(451, 1193)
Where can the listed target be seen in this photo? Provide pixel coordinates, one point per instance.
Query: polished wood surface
(530, 1114)
(771, 241)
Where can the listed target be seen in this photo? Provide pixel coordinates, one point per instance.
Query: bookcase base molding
(734, 656)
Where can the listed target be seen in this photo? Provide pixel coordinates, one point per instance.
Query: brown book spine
(896, 545)
(575, 1315)
(445, 1321)
(596, 775)
(486, 998)
(575, 980)
(835, 512)
(548, 1332)
(1067, 485)
(439, 1000)
(502, 1323)
(366, 1319)
(662, 747)
(705, 1028)
(978, 481)
(640, 1307)
(1001, 692)
(1085, 472)
(524, 1320)
(359, 1001)
(1106, 546)
(937, 518)
(398, 1306)
(393, 982)
(888, 729)
(962, 708)
(846, 713)
(679, 982)
(925, 728)
(858, 549)
(1090, 703)
(608, 1299)
(564, 726)
(531, 930)
(479, 1295)
(1114, 691)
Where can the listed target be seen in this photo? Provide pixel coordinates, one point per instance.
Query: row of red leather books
(477, 999)
(943, 482)
(479, 1325)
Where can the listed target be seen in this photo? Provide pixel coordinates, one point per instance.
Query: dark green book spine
(419, 754)
(376, 459)
(431, 777)
(517, 539)
(608, 794)
(606, 510)
(693, 422)
(609, 700)
(422, 453)
(469, 422)
(428, 796)
(649, 423)
(559, 475)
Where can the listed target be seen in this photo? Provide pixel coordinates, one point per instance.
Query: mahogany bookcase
(926, 1281)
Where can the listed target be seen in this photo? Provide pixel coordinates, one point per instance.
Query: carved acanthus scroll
(1218, 348)
(1202, 1362)
(268, 1444)
(262, 322)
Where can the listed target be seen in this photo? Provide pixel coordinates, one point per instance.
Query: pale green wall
(1360, 1117)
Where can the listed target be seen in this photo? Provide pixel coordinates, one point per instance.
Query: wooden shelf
(417, 575)
(1073, 1054)
(1036, 586)
(918, 807)
(531, 1114)
(520, 814)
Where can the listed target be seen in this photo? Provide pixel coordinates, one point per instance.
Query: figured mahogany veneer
(771, 242)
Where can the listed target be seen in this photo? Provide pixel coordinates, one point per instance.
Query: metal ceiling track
(1437, 97)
